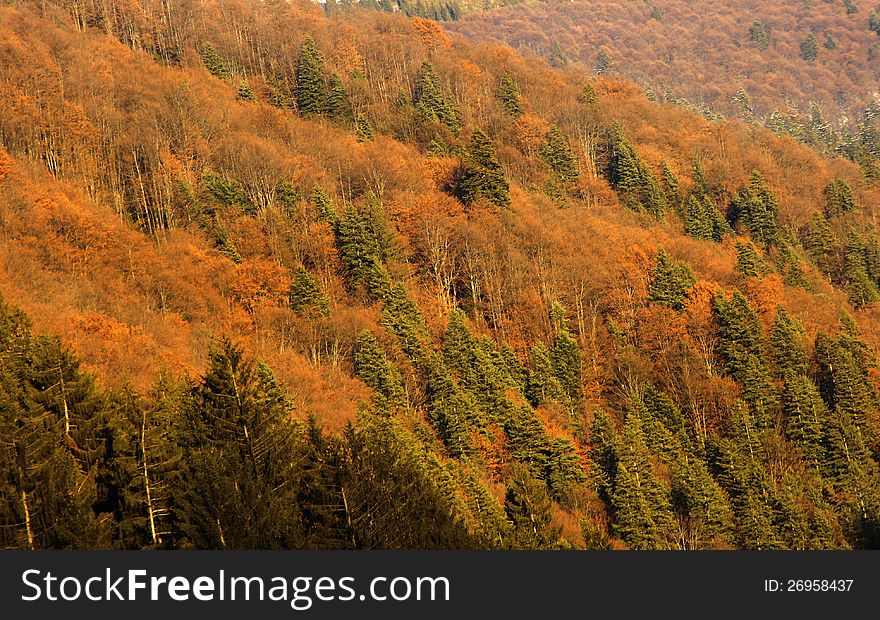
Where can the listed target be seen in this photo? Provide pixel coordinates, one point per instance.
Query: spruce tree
(749, 261)
(528, 509)
(432, 101)
(306, 296)
(758, 34)
(787, 351)
(311, 91)
(245, 92)
(377, 372)
(838, 198)
(338, 104)
(481, 175)
(756, 208)
(809, 48)
(214, 62)
(671, 282)
(509, 96)
(739, 333)
(362, 128)
(631, 178)
(819, 242)
(558, 155)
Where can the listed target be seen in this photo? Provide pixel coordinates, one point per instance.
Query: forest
(807, 69)
(283, 275)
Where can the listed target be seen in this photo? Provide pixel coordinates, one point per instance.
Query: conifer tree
(632, 179)
(588, 95)
(671, 281)
(481, 175)
(528, 509)
(306, 295)
(245, 92)
(433, 102)
(338, 104)
(749, 262)
(238, 482)
(809, 48)
(557, 153)
(214, 62)
(311, 91)
(819, 242)
(604, 62)
(755, 207)
(378, 373)
(739, 333)
(860, 287)
(758, 34)
(509, 96)
(838, 198)
(363, 129)
(787, 351)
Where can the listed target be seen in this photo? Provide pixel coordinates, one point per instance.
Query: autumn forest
(296, 275)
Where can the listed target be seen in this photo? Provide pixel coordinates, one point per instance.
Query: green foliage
(755, 207)
(787, 351)
(758, 35)
(838, 198)
(588, 95)
(365, 243)
(214, 62)
(861, 271)
(245, 92)
(338, 104)
(311, 91)
(433, 102)
(809, 48)
(739, 334)
(323, 204)
(557, 153)
(819, 242)
(604, 62)
(671, 281)
(703, 220)
(632, 179)
(528, 509)
(306, 296)
(749, 261)
(377, 372)
(362, 128)
(509, 96)
(480, 175)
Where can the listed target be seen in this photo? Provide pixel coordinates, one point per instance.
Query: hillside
(343, 280)
(706, 53)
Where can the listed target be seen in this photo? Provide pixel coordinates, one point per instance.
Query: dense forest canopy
(340, 279)
(786, 63)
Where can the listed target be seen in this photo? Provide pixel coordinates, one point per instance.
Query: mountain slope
(520, 286)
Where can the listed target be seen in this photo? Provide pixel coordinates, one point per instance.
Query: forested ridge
(277, 276)
(804, 69)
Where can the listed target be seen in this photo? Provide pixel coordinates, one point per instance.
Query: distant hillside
(781, 54)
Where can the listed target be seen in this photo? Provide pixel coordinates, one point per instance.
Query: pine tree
(739, 333)
(306, 295)
(214, 63)
(363, 129)
(819, 242)
(481, 175)
(528, 509)
(377, 372)
(604, 62)
(756, 208)
(245, 92)
(279, 92)
(787, 352)
(323, 204)
(838, 198)
(631, 178)
(671, 188)
(338, 104)
(433, 102)
(557, 153)
(509, 96)
(749, 262)
(758, 34)
(860, 287)
(809, 48)
(238, 483)
(588, 95)
(671, 282)
(311, 91)
(642, 510)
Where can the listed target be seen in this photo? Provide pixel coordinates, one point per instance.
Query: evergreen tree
(237, 485)
(860, 287)
(279, 92)
(809, 48)
(433, 102)
(819, 242)
(739, 333)
(509, 96)
(245, 92)
(306, 295)
(749, 262)
(632, 179)
(338, 104)
(311, 91)
(838, 198)
(363, 129)
(214, 62)
(588, 95)
(671, 188)
(604, 62)
(378, 373)
(758, 34)
(557, 153)
(642, 510)
(756, 208)
(481, 175)
(528, 509)
(787, 352)
(671, 282)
